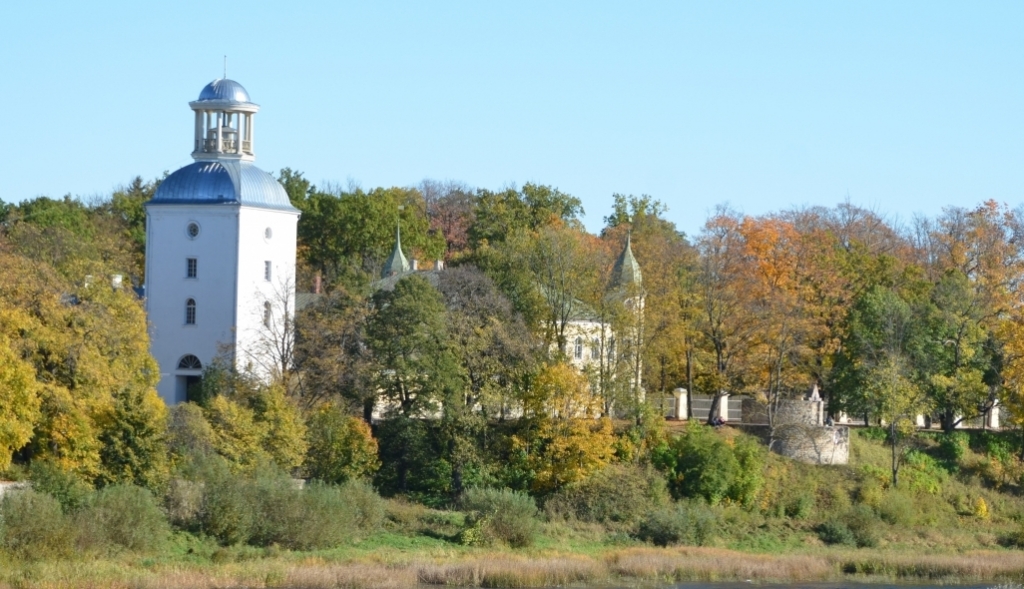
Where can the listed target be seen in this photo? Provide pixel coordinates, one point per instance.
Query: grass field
(948, 523)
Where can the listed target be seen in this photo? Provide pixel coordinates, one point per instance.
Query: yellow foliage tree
(86, 344)
(570, 444)
(19, 402)
(238, 436)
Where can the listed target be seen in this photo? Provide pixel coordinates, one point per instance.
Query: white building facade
(220, 252)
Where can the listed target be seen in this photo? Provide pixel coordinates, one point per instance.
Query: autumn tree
(89, 351)
(450, 208)
(19, 390)
(333, 363)
(341, 447)
(492, 343)
(724, 323)
(658, 341)
(568, 444)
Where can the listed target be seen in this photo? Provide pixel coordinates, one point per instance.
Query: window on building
(190, 312)
(595, 349)
(266, 314)
(611, 349)
(579, 348)
(267, 270)
(189, 362)
(191, 268)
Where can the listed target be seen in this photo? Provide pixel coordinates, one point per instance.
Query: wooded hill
(888, 320)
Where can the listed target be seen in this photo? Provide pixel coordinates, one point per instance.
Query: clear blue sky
(904, 107)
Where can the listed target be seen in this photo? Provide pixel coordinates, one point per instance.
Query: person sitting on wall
(829, 422)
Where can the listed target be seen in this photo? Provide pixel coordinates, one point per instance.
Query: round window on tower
(268, 233)
(192, 230)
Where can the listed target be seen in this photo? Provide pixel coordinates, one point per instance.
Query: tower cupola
(396, 263)
(224, 122)
(626, 272)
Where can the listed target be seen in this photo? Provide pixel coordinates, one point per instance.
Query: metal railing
(227, 146)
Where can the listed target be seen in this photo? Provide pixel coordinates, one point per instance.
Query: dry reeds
(715, 564)
(969, 566)
(509, 571)
(505, 570)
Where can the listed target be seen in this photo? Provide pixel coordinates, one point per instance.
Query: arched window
(189, 362)
(579, 348)
(266, 314)
(595, 349)
(611, 349)
(190, 312)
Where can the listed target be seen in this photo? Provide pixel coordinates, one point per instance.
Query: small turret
(396, 264)
(626, 272)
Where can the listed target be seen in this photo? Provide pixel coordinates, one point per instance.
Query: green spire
(626, 271)
(396, 264)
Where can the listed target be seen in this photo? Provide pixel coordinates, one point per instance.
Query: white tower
(220, 252)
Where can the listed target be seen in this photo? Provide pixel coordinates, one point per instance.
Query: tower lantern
(224, 122)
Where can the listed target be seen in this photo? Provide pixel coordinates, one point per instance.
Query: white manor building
(220, 250)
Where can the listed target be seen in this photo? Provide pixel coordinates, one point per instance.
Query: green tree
(418, 375)
(341, 447)
(133, 447)
(699, 463)
(347, 236)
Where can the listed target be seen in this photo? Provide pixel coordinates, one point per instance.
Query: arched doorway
(188, 378)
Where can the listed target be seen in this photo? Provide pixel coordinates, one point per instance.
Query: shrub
(875, 434)
(266, 507)
(189, 435)
(369, 507)
(981, 508)
(184, 502)
(863, 524)
(501, 515)
(69, 489)
(1014, 539)
(228, 511)
(615, 494)
(800, 507)
(700, 463)
(122, 517)
(897, 508)
(688, 524)
(952, 448)
(33, 525)
(835, 532)
(923, 473)
(318, 516)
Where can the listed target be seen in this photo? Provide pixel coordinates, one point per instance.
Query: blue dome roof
(223, 182)
(224, 90)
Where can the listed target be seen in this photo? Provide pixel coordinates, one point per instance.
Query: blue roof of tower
(223, 182)
(224, 90)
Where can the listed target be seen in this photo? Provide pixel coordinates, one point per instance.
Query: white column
(679, 410)
(919, 420)
(220, 135)
(843, 417)
(723, 408)
(252, 121)
(199, 131)
(206, 135)
(993, 416)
